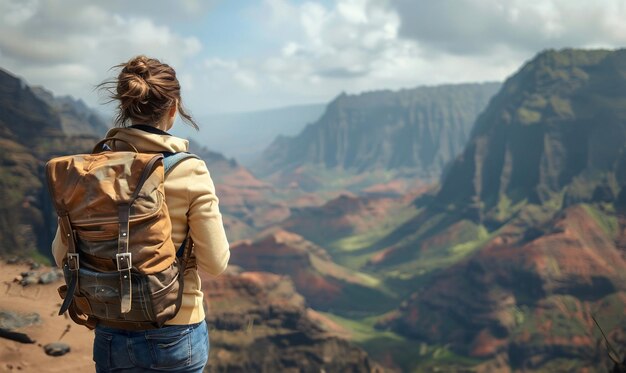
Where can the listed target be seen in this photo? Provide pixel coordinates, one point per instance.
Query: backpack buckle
(124, 261)
(72, 261)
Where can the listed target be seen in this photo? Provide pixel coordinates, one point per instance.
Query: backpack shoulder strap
(170, 160)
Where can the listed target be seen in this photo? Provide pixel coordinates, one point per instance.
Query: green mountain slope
(524, 242)
(556, 124)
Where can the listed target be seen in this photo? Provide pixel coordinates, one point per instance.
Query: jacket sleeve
(59, 247)
(205, 223)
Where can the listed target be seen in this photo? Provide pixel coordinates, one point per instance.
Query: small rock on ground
(49, 277)
(56, 349)
(13, 320)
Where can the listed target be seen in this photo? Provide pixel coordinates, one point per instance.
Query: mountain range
(410, 133)
(523, 244)
(505, 264)
(502, 266)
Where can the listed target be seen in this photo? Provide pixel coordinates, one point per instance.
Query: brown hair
(145, 89)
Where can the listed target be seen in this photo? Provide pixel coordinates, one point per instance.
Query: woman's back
(193, 205)
(148, 96)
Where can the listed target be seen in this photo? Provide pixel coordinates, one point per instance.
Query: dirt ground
(43, 300)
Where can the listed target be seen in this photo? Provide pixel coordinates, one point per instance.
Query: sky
(244, 55)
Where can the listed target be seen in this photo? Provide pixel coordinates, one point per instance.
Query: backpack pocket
(153, 297)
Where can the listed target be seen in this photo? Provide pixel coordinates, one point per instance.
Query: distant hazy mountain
(419, 130)
(245, 135)
(76, 117)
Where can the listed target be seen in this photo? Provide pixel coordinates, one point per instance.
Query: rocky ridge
(31, 132)
(414, 131)
(259, 323)
(524, 242)
(325, 285)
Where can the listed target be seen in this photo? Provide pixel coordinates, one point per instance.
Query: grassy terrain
(392, 349)
(367, 239)
(400, 280)
(366, 290)
(552, 317)
(458, 242)
(354, 251)
(604, 216)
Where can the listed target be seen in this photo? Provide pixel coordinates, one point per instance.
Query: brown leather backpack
(121, 267)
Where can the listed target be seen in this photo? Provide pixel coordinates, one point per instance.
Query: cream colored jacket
(191, 201)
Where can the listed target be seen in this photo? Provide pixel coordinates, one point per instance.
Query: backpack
(121, 268)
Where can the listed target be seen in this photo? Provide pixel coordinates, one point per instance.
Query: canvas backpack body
(122, 268)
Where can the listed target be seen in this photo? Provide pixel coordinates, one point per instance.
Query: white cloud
(15, 13)
(479, 27)
(352, 45)
(221, 70)
(69, 47)
(357, 45)
(336, 43)
(218, 63)
(353, 11)
(246, 79)
(299, 52)
(162, 11)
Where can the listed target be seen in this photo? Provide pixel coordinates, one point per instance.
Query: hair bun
(138, 66)
(146, 90)
(138, 88)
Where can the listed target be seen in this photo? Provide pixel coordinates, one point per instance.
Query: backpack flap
(91, 187)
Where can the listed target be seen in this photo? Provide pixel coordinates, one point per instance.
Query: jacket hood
(150, 142)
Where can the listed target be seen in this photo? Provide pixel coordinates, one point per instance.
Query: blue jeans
(173, 348)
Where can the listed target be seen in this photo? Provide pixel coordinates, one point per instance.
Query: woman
(148, 94)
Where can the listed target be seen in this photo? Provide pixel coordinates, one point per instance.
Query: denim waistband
(156, 331)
